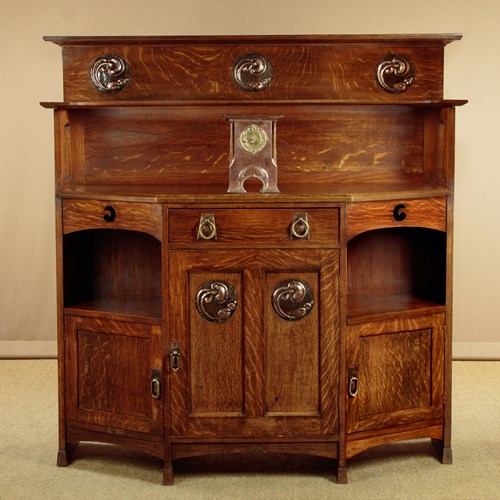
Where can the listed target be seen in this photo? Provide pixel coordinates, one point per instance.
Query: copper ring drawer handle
(399, 213)
(207, 230)
(299, 229)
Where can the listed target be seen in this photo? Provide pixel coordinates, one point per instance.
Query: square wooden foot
(445, 454)
(168, 475)
(342, 475)
(65, 455)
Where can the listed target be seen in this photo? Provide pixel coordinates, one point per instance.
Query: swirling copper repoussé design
(216, 301)
(110, 73)
(293, 300)
(395, 73)
(253, 72)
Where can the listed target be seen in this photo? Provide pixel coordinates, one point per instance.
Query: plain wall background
(31, 71)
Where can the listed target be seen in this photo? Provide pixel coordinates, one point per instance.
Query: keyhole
(111, 215)
(398, 212)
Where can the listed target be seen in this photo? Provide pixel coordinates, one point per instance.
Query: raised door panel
(399, 370)
(254, 372)
(216, 384)
(291, 351)
(109, 371)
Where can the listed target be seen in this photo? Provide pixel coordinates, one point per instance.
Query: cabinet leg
(65, 455)
(168, 475)
(341, 474)
(445, 454)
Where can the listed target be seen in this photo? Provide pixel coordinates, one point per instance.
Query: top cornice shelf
(254, 69)
(414, 39)
(168, 104)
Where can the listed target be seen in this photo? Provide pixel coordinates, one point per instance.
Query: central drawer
(242, 227)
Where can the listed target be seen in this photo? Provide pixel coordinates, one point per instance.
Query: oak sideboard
(254, 244)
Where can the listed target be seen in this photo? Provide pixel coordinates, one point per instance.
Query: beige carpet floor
(28, 446)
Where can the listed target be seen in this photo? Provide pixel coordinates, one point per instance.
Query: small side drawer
(421, 212)
(262, 227)
(96, 214)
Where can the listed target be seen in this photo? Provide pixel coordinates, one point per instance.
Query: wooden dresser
(254, 244)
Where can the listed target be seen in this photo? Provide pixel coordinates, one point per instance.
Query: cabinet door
(395, 373)
(253, 371)
(111, 369)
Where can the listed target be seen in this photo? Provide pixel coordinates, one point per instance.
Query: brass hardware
(253, 139)
(253, 153)
(175, 357)
(207, 230)
(292, 300)
(216, 301)
(353, 384)
(395, 74)
(299, 230)
(398, 213)
(156, 384)
(253, 72)
(110, 73)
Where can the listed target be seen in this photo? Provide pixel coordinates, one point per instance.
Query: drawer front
(422, 212)
(262, 227)
(96, 214)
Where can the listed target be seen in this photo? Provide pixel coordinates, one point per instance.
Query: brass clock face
(253, 139)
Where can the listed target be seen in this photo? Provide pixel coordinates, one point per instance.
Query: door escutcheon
(175, 357)
(353, 383)
(156, 384)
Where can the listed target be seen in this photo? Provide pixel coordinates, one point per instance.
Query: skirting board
(11, 349)
(16, 349)
(476, 350)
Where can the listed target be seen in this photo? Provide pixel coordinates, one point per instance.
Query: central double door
(254, 342)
